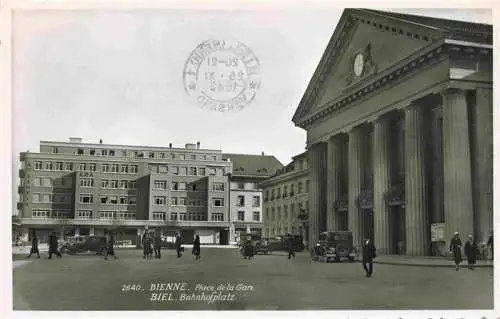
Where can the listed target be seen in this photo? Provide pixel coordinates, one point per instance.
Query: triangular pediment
(380, 41)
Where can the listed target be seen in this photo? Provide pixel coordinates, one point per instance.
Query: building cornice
(406, 67)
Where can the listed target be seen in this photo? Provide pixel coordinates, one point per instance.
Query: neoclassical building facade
(399, 115)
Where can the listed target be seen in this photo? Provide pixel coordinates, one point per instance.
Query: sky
(117, 75)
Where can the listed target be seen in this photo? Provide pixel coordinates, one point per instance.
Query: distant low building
(286, 196)
(245, 193)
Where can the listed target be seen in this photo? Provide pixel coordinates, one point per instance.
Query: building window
(114, 184)
(114, 168)
(285, 212)
(104, 152)
(159, 200)
(192, 171)
(123, 200)
(59, 166)
(211, 171)
(124, 169)
(292, 189)
(105, 168)
(162, 155)
(201, 171)
(278, 195)
(123, 184)
(256, 201)
(285, 191)
(217, 217)
(241, 185)
(80, 151)
(104, 183)
(124, 153)
(158, 215)
(241, 216)
(37, 181)
(132, 184)
(54, 150)
(173, 216)
(113, 200)
(87, 182)
(218, 186)
(86, 198)
(256, 216)
(41, 214)
(151, 155)
(241, 200)
(106, 215)
(203, 157)
(182, 186)
(183, 171)
(173, 201)
(92, 167)
(307, 186)
(163, 169)
(48, 182)
(104, 199)
(48, 166)
(299, 188)
(214, 158)
(38, 165)
(193, 157)
(218, 202)
(68, 166)
(182, 156)
(133, 169)
(175, 186)
(160, 184)
(175, 170)
(182, 201)
(92, 152)
(132, 200)
(84, 214)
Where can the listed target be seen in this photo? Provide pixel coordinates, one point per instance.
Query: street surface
(269, 282)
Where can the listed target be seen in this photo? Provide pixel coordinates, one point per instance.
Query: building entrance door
(397, 229)
(224, 237)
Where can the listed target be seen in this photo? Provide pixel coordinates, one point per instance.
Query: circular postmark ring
(222, 75)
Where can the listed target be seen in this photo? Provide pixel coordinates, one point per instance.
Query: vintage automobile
(262, 247)
(84, 244)
(280, 243)
(334, 246)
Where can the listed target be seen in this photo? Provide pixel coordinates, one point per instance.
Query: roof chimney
(262, 153)
(198, 145)
(100, 141)
(169, 145)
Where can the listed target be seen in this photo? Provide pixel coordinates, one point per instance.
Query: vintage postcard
(249, 156)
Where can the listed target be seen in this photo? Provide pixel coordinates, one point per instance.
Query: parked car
(261, 247)
(84, 244)
(334, 246)
(280, 243)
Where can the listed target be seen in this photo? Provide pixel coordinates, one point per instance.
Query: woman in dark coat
(471, 252)
(196, 247)
(456, 250)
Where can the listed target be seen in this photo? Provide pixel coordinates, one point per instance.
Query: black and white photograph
(244, 156)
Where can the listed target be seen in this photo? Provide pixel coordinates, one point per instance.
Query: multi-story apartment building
(245, 202)
(286, 196)
(79, 188)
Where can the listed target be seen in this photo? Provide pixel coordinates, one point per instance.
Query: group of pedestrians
(470, 250)
(152, 242)
(53, 246)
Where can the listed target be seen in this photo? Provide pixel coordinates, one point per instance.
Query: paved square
(91, 283)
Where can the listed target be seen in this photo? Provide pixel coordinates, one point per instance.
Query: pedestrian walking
(149, 246)
(109, 250)
(369, 253)
(157, 245)
(34, 247)
(471, 252)
(54, 246)
(456, 250)
(178, 245)
(196, 247)
(144, 245)
(291, 246)
(490, 244)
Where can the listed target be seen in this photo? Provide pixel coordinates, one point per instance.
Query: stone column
(334, 158)
(483, 163)
(458, 208)
(417, 221)
(317, 192)
(354, 169)
(381, 175)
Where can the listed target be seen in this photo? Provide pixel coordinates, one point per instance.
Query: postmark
(222, 75)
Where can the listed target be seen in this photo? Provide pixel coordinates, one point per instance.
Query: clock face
(359, 62)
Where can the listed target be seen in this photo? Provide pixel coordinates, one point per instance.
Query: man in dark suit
(291, 246)
(369, 253)
(178, 245)
(157, 245)
(54, 246)
(490, 244)
(34, 247)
